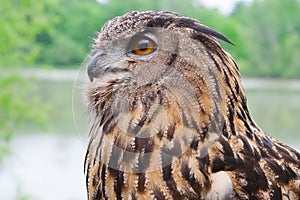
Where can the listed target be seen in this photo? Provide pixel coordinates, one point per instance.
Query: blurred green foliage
(17, 106)
(22, 23)
(59, 32)
(270, 33)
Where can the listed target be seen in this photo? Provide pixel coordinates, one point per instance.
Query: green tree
(17, 106)
(59, 32)
(270, 32)
(70, 41)
(22, 23)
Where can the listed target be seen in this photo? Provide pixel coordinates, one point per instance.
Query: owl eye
(143, 46)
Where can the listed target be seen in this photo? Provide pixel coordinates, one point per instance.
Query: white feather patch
(222, 187)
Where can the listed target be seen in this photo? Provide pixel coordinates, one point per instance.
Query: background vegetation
(59, 33)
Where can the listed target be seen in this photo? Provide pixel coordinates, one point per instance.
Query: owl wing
(258, 170)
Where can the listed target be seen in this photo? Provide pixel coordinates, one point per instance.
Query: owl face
(139, 55)
(142, 47)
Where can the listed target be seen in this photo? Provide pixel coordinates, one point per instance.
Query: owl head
(137, 38)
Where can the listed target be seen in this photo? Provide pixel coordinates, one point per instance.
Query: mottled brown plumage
(169, 118)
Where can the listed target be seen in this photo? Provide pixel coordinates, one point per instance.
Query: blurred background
(43, 122)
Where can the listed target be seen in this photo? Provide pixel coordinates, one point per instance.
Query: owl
(169, 118)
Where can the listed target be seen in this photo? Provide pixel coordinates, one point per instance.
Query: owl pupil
(143, 45)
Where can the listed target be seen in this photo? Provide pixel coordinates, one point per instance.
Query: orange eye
(143, 46)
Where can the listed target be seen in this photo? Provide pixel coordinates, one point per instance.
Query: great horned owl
(169, 118)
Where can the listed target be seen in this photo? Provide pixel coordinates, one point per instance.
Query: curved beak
(92, 69)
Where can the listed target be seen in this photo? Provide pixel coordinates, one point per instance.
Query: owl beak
(92, 70)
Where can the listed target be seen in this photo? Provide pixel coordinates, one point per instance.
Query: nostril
(92, 66)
